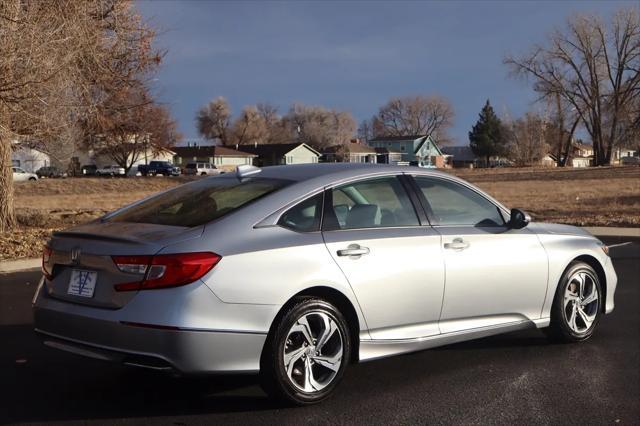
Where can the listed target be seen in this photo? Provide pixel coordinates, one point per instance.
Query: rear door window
(372, 203)
(199, 202)
(305, 216)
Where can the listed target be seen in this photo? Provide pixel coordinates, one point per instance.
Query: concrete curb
(19, 265)
(598, 231)
(606, 231)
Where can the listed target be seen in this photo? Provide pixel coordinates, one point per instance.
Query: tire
(573, 320)
(287, 336)
(203, 174)
(32, 178)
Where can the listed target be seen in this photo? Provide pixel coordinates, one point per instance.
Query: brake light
(165, 270)
(46, 256)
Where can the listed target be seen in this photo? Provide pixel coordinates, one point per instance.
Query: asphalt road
(517, 377)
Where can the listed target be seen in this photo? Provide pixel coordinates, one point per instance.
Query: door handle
(353, 250)
(457, 244)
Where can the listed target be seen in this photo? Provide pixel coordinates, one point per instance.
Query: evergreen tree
(487, 137)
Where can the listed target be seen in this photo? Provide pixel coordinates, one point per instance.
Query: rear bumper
(187, 352)
(182, 347)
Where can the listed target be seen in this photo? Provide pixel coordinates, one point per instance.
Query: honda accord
(294, 272)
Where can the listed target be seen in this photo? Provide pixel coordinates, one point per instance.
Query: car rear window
(199, 202)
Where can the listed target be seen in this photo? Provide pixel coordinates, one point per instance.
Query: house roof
(583, 146)
(425, 140)
(460, 153)
(208, 151)
(397, 138)
(276, 149)
(409, 138)
(161, 148)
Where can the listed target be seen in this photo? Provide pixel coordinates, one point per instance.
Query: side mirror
(519, 219)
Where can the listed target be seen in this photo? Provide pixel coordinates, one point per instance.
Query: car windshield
(199, 203)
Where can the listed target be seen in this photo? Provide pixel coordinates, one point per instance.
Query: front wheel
(306, 353)
(577, 305)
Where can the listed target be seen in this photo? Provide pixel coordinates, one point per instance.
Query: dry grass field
(607, 196)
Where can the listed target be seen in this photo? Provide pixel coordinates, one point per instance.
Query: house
(357, 153)
(620, 153)
(27, 158)
(549, 160)
(220, 156)
(461, 156)
(421, 150)
(579, 149)
(582, 161)
(388, 156)
(282, 154)
(581, 154)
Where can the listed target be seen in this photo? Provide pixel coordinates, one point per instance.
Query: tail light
(165, 270)
(46, 256)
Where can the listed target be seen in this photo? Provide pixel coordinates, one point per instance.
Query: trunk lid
(88, 250)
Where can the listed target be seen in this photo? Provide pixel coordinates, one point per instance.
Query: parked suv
(630, 161)
(201, 169)
(89, 170)
(49, 172)
(112, 170)
(164, 168)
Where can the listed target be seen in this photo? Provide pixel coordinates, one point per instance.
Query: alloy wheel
(313, 351)
(581, 301)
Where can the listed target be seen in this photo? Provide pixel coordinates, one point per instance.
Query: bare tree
(365, 130)
(57, 58)
(250, 128)
(595, 69)
(526, 139)
(561, 124)
(128, 125)
(320, 127)
(415, 115)
(276, 126)
(214, 120)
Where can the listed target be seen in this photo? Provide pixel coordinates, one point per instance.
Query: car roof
(336, 171)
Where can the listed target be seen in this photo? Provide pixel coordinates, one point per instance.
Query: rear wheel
(306, 353)
(203, 174)
(577, 306)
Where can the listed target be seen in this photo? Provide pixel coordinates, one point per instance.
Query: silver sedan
(294, 272)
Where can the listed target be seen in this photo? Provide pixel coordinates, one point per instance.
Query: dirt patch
(607, 196)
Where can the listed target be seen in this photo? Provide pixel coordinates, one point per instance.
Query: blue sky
(351, 56)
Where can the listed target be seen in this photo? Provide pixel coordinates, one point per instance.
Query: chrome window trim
(272, 218)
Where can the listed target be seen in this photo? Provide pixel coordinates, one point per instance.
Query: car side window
(372, 203)
(304, 216)
(455, 204)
